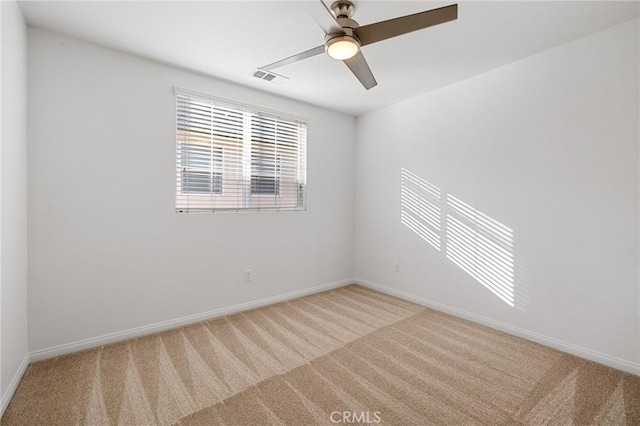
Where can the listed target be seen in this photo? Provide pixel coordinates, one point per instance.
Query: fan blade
(359, 67)
(323, 16)
(383, 30)
(295, 58)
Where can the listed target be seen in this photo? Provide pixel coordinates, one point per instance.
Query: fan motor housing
(347, 22)
(348, 31)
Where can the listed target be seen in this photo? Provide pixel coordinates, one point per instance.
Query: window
(201, 169)
(232, 157)
(264, 174)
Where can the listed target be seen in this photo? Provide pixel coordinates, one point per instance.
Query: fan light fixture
(343, 47)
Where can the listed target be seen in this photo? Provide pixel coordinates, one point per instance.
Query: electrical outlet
(247, 275)
(396, 267)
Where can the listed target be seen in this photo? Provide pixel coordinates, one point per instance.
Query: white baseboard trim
(620, 364)
(178, 322)
(13, 385)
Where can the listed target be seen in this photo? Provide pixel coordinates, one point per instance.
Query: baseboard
(13, 385)
(620, 364)
(178, 322)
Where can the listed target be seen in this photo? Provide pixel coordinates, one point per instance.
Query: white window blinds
(230, 157)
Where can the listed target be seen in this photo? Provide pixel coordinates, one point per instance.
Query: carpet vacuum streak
(346, 354)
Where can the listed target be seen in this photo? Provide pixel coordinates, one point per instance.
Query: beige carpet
(339, 356)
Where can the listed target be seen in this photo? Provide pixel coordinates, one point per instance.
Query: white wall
(107, 251)
(547, 146)
(13, 198)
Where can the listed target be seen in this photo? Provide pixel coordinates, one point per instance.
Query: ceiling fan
(344, 37)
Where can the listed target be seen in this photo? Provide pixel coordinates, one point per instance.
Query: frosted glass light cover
(342, 48)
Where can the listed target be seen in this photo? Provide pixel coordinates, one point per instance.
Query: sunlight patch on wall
(482, 247)
(476, 243)
(420, 207)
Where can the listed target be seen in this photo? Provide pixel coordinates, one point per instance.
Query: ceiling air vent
(263, 74)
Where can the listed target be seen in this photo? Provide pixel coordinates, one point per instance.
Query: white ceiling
(228, 39)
